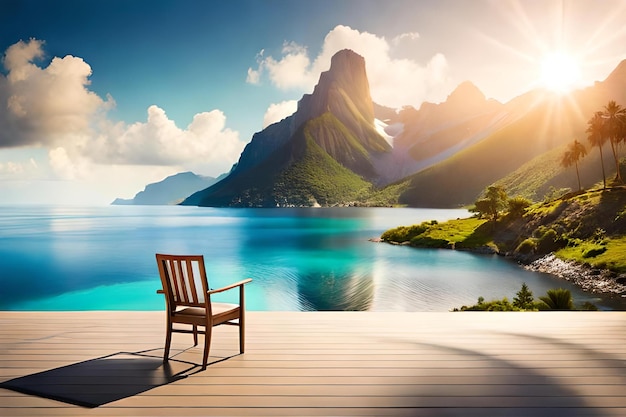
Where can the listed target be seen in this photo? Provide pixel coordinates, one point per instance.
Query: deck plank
(333, 363)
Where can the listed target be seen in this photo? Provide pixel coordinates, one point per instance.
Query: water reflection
(329, 291)
(315, 252)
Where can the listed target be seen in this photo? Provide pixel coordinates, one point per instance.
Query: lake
(103, 258)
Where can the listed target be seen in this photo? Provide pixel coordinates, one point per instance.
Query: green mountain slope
(300, 173)
(460, 179)
(321, 155)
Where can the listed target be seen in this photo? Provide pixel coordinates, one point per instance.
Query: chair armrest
(229, 287)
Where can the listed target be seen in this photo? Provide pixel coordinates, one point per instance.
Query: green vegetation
(318, 178)
(524, 298)
(558, 299)
(554, 300)
(574, 153)
(460, 233)
(609, 254)
(588, 227)
(609, 125)
(529, 181)
(494, 203)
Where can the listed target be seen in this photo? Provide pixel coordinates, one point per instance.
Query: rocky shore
(589, 279)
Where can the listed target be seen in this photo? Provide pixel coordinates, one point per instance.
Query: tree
(614, 120)
(597, 137)
(558, 299)
(575, 151)
(524, 298)
(495, 201)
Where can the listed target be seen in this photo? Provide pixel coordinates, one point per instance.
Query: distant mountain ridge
(171, 190)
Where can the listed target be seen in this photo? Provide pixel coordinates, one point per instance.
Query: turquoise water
(102, 258)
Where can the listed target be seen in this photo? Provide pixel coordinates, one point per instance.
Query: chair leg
(195, 335)
(207, 345)
(242, 335)
(168, 341)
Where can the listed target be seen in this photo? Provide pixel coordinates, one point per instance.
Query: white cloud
(393, 82)
(52, 107)
(43, 105)
(410, 36)
(278, 111)
(66, 167)
(12, 169)
(205, 146)
(254, 76)
(291, 70)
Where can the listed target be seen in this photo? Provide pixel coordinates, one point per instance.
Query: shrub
(550, 241)
(494, 305)
(558, 299)
(404, 233)
(587, 306)
(593, 252)
(527, 246)
(429, 242)
(518, 205)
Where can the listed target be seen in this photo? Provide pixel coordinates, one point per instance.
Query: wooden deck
(320, 363)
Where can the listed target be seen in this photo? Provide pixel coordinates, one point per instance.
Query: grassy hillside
(544, 176)
(459, 180)
(300, 174)
(317, 179)
(589, 228)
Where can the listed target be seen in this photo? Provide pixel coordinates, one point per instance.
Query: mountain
(171, 190)
(437, 131)
(339, 148)
(324, 154)
(529, 126)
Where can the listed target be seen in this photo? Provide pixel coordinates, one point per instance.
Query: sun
(560, 72)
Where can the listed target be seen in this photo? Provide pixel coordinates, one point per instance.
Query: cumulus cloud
(45, 104)
(278, 111)
(205, 142)
(393, 82)
(64, 166)
(52, 107)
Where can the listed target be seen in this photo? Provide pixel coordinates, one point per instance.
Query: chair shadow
(99, 381)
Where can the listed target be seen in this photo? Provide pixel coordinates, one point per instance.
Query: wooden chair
(188, 301)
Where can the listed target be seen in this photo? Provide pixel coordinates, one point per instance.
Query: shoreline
(593, 280)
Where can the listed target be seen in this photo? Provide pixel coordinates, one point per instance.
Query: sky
(99, 98)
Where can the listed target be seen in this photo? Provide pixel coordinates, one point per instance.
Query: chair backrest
(184, 279)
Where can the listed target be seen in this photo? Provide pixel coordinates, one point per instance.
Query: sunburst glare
(560, 72)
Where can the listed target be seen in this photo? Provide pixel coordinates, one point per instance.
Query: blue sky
(103, 97)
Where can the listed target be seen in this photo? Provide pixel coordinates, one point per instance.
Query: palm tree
(597, 137)
(558, 299)
(575, 151)
(614, 120)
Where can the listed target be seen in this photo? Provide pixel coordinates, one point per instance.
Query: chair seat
(216, 308)
(221, 313)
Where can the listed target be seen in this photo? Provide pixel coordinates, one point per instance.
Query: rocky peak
(618, 75)
(466, 93)
(346, 80)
